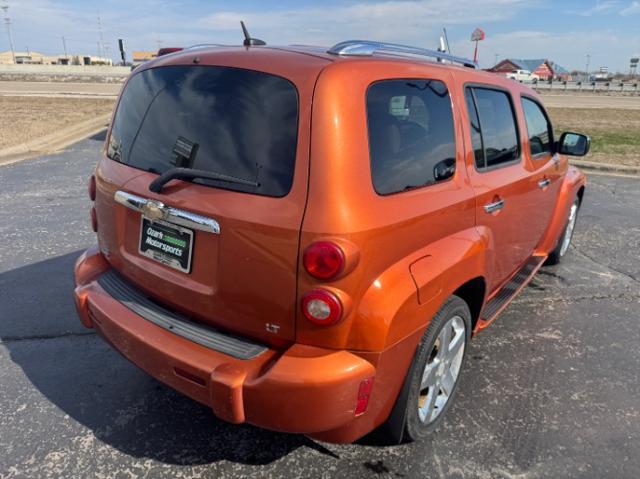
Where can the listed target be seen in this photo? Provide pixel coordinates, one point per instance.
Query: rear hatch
(237, 270)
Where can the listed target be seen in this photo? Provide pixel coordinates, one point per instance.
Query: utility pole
(7, 24)
(586, 70)
(101, 36)
(64, 46)
(495, 61)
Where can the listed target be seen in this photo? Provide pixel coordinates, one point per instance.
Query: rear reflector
(321, 307)
(323, 259)
(364, 393)
(94, 220)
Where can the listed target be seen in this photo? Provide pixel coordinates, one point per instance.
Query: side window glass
(411, 134)
(476, 133)
(538, 128)
(498, 126)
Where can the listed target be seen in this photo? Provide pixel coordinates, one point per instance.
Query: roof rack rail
(365, 48)
(204, 45)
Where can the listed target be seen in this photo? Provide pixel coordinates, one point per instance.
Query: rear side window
(237, 122)
(497, 123)
(411, 134)
(538, 128)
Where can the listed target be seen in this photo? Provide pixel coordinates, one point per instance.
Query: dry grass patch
(26, 118)
(615, 134)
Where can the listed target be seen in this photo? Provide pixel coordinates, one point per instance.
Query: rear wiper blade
(190, 174)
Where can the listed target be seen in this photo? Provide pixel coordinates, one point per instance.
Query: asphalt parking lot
(552, 389)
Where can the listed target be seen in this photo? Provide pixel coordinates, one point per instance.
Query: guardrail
(611, 86)
(82, 70)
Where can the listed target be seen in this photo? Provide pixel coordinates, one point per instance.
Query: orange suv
(306, 239)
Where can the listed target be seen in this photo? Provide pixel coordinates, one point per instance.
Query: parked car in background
(306, 239)
(523, 76)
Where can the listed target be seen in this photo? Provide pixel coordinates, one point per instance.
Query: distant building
(35, 58)
(142, 56)
(545, 69)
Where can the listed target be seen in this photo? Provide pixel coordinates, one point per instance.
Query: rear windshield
(237, 122)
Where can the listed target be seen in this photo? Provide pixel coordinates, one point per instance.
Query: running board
(504, 296)
(135, 300)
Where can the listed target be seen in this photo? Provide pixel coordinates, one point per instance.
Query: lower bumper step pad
(135, 300)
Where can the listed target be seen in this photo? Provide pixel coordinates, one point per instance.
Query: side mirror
(573, 144)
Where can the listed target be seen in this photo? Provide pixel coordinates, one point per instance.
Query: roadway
(59, 89)
(111, 90)
(585, 100)
(550, 390)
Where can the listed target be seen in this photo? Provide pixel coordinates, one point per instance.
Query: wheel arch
(573, 185)
(473, 292)
(581, 193)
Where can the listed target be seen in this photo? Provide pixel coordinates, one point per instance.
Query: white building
(35, 58)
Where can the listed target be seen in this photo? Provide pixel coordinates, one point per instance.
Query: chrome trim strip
(170, 214)
(130, 201)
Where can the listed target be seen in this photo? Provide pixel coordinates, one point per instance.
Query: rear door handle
(543, 183)
(494, 206)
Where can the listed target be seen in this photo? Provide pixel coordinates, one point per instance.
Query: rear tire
(431, 382)
(564, 241)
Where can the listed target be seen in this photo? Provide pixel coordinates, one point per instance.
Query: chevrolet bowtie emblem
(154, 210)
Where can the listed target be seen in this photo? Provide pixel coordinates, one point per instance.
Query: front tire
(567, 234)
(436, 368)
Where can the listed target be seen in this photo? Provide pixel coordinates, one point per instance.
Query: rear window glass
(411, 134)
(237, 122)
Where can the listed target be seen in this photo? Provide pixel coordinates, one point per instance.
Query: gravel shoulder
(24, 119)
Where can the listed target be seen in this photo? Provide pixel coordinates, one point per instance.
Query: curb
(55, 141)
(607, 168)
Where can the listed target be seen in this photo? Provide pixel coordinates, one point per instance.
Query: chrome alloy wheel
(442, 369)
(571, 224)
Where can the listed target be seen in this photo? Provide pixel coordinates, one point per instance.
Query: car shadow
(73, 368)
(100, 136)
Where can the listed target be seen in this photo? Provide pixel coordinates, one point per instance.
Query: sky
(561, 31)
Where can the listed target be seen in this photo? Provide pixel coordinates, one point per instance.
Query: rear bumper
(302, 389)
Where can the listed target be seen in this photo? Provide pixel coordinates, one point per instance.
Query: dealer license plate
(166, 243)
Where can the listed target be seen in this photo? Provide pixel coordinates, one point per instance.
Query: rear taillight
(94, 220)
(323, 260)
(91, 188)
(364, 393)
(321, 307)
